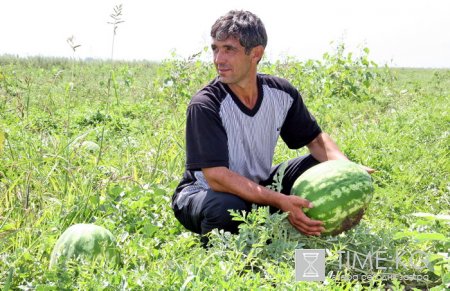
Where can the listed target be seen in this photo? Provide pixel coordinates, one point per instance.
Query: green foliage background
(103, 142)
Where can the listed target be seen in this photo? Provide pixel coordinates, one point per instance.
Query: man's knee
(216, 212)
(295, 168)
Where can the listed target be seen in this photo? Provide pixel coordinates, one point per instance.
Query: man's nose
(219, 57)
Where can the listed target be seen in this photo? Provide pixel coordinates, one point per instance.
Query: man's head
(238, 42)
(242, 25)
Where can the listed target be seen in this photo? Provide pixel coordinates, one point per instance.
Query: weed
(70, 154)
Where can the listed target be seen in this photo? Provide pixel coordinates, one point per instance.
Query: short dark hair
(244, 26)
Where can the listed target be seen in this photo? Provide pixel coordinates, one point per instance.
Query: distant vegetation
(103, 142)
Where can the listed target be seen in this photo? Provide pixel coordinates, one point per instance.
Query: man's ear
(257, 53)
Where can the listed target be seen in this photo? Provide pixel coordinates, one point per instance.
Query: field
(103, 142)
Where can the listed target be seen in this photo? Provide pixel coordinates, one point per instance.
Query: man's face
(232, 63)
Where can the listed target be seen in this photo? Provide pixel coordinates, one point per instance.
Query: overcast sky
(398, 32)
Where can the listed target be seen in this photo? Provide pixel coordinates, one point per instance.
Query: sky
(400, 33)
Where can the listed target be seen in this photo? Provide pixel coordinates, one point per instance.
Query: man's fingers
(299, 220)
(301, 217)
(368, 170)
(307, 229)
(305, 224)
(301, 202)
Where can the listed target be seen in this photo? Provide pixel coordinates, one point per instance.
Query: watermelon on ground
(89, 241)
(340, 192)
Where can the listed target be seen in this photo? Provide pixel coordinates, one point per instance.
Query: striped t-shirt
(222, 131)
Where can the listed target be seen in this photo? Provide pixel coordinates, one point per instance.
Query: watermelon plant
(340, 192)
(400, 128)
(89, 241)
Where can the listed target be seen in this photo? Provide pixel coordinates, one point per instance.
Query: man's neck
(247, 92)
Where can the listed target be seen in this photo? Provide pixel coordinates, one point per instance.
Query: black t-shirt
(222, 131)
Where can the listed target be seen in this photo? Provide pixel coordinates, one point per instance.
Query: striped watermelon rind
(340, 192)
(89, 241)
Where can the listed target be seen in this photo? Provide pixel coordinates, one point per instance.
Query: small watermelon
(340, 192)
(87, 240)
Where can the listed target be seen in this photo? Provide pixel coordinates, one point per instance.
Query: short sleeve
(300, 126)
(206, 139)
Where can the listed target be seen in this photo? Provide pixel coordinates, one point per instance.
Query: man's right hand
(221, 179)
(298, 219)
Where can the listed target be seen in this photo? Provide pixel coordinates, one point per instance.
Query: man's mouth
(223, 70)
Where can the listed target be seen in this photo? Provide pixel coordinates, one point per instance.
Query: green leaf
(2, 140)
(432, 216)
(446, 279)
(149, 229)
(7, 285)
(421, 237)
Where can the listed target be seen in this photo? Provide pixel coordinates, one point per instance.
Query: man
(231, 132)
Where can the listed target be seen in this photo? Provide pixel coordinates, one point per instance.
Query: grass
(395, 120)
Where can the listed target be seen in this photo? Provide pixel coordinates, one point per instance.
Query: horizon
(403, 34)
(157, 62)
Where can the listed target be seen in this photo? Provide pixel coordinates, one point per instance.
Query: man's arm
(221, 179)
(323, 148)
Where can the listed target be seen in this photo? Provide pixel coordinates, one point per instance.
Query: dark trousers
(207, 210)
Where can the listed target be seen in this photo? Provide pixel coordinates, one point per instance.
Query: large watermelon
(340, 192)
(88, 241)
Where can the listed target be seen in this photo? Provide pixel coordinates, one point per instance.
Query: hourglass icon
(310, 271)
(310, 264)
